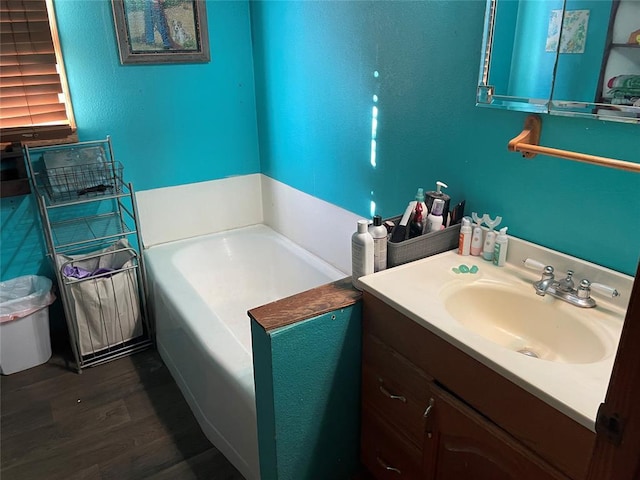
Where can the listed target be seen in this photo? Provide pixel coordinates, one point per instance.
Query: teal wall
(312, 104)
(170, 124)
(314, 66)
(307, 379)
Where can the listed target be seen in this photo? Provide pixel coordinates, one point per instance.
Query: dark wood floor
(122, 420)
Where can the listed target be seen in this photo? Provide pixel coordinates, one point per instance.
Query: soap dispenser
(437, 193)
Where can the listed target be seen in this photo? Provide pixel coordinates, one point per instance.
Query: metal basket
(83, 181)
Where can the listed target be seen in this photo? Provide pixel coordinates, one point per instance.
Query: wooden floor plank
(209, 465)
(123, 420)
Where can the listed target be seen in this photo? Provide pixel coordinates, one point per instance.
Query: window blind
(33, 95)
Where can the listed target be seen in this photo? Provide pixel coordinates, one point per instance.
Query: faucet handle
(533, 264)
(547, 272)
(585, 287)
(605, 290)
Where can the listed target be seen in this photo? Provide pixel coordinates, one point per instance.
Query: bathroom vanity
(431, 411)
(442, 402)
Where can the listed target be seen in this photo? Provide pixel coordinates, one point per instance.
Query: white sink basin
(539, 327)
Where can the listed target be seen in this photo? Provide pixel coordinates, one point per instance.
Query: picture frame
(161, 31)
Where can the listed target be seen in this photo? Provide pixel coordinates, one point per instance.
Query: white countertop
(576, 390)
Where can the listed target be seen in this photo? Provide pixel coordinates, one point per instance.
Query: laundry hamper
(102, 290)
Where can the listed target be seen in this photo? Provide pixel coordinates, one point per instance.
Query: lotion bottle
(489, 244)
(500, 248)
(379, 233)
(476, 241)
(464, 242)
(361, 253)
(434, 219)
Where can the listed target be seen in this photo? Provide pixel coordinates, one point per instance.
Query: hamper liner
(105, 309)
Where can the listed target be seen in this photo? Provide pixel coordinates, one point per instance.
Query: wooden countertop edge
(307, 304)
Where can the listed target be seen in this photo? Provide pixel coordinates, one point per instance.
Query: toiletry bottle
(401, 232)
(434, 219)
(417, 224)
(432, 195)
(500, 248)
(361, 253)
(489, 244)
(464, 242)
(476, 240)
(379, 233)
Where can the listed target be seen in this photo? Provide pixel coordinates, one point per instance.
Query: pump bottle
(476, 241)
(361, 253)
(435, 220)
(500, 248)
(401, 232)
(431, 197)
(489, 244)
(379, 234)
(464, 242)
(417, 224)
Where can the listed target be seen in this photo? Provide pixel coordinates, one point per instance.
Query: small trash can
(24, 323)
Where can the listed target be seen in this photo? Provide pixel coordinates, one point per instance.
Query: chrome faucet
(565, 289)
(545, 282)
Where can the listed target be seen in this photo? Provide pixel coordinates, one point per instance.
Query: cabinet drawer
(385, 453)
(394, 369)
(396, 405)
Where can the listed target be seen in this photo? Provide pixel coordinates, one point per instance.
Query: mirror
(564, 57)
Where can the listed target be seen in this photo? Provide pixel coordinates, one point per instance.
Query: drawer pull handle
(388, 468)
(429, 407)
(387, 393)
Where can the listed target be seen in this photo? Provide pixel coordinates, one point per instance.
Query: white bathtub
(201, 290)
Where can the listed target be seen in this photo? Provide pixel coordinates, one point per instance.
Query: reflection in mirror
(518, 62)
(604, 77)
(566, 57)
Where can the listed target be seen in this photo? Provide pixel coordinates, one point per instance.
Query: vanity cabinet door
(469, 447)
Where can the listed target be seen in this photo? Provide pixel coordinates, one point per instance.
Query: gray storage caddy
(422, 246)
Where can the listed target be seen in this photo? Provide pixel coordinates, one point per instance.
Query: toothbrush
(491, 223)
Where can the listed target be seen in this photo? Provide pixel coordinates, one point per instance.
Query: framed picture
(161, 31)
